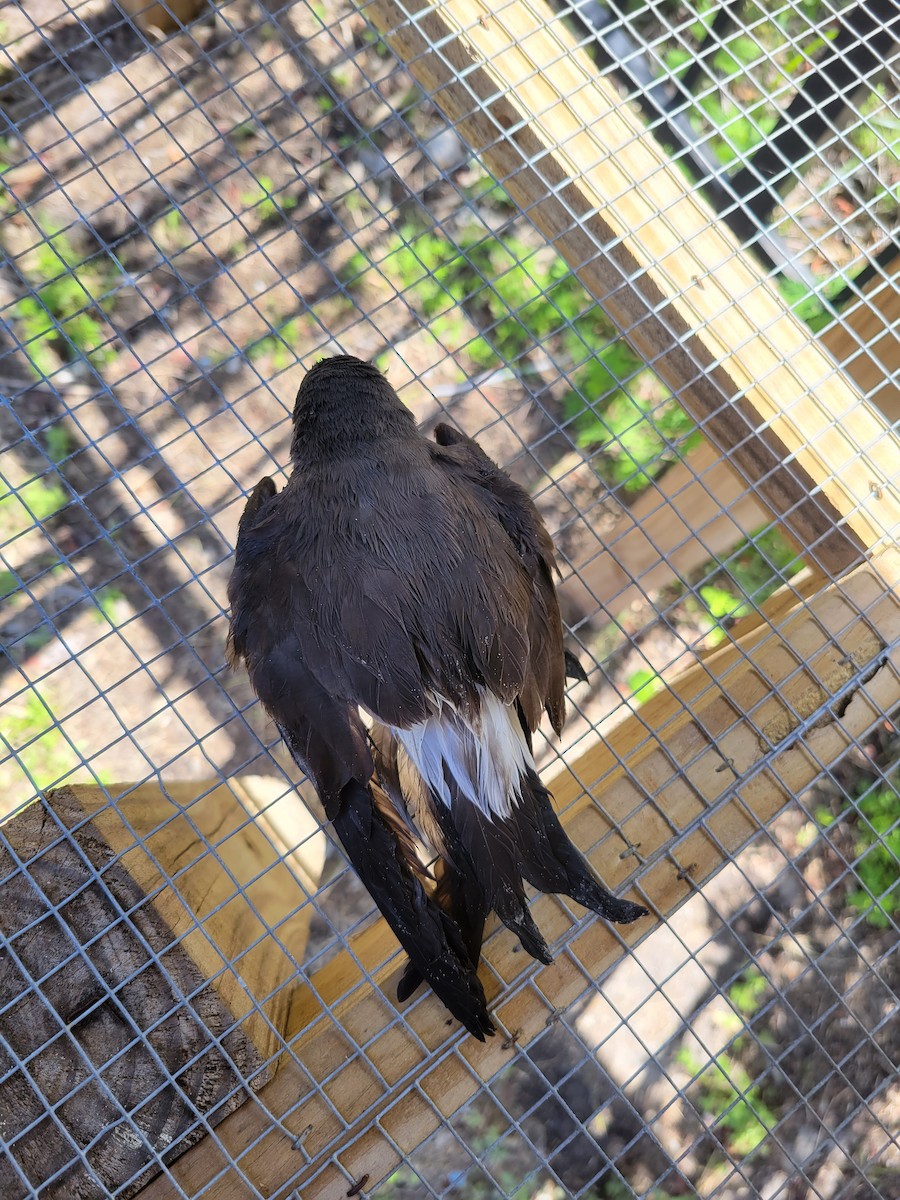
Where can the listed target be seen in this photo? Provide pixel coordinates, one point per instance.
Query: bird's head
(343, 402)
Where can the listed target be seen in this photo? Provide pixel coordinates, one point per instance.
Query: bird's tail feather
(426, 932)
(486, 861)
(551, 863)
(480, 873)
(465, 906)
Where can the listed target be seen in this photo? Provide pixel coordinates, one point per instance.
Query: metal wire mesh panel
(599, 238)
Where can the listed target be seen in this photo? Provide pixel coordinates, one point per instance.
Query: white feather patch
(486, 754)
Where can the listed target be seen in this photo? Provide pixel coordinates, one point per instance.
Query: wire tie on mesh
(726, 765)
(684, 873)
(297, 1143)
(356, 1189)
(875, 489)
(511, 1040)
(632, 848)
(553, 1017)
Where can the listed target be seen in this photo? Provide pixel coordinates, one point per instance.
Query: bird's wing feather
(324, 734)
(543, 680)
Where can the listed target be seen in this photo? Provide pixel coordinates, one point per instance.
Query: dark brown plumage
(413, 579)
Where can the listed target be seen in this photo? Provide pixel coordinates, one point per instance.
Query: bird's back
(401, 571)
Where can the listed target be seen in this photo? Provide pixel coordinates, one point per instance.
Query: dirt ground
(165, 159)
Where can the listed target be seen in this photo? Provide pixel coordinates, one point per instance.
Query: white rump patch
(485, 754)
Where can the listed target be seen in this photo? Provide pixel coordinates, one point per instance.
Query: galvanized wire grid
(189, 222)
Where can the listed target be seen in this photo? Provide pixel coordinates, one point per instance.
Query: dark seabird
(411, 580)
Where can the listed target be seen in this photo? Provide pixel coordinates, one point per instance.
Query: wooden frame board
(577, 159)
(735, 739)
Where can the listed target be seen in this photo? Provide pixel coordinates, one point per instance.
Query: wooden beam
(109, 941)
(605, 194)
(700, 509)
(865, 341)
(735, 739)
(161, 17)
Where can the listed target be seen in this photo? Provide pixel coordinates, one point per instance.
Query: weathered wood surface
(155, 18)
(700, 509)
(866, 341)
(734, 740)
(121, 966)
(645, 244)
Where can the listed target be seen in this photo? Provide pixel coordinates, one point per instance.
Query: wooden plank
(725, 756)
(700, 509)
(104, 940)
(645, 244)
(159, 18)
(865, 341)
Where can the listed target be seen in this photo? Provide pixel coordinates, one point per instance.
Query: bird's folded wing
(326, 738)
(543, 682)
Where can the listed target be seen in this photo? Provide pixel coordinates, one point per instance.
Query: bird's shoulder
(463, 460)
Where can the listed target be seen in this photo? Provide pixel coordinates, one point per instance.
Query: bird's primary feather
(413, 580)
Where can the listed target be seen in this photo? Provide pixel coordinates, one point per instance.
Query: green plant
(58, 441)
(643, 684)
(724, 608)
(798, 61)
(761, 564)
(736, 54)
(724, 1091)
(638, 434)
(244, 130)
(722, 605)
(110, 602)
(879, 131)
(756, 569)
(264, 199)
(31, 732)
(486, 190)
(518, 299)
(280, 346)
(737, 130)
(31, 503)
(876, 822)
(70, 294)
(747, 991)
(812, 305)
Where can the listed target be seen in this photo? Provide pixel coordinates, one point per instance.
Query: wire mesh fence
(195, 996)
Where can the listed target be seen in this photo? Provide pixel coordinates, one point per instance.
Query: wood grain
(866, 341)
(607, 197)
(128, 977)
(699, 510)
(727, 752)
(153, 17)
